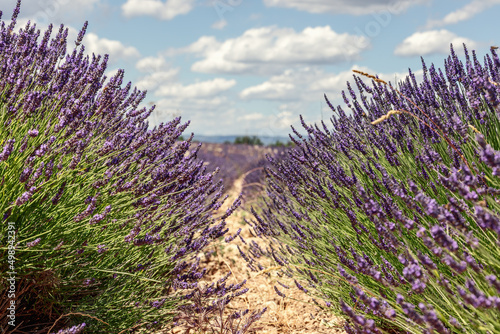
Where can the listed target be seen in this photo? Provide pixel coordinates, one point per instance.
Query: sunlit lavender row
(390, 214)
(108, 215)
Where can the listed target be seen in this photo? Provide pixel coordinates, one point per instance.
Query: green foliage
(278, 143)
(247, 140)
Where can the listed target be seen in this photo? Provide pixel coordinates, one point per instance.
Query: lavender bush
(392, 216)
(203, 316)
(108, 215)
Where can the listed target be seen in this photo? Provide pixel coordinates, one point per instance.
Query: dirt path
(294, 314)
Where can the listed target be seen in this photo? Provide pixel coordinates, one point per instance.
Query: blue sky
(253, 66)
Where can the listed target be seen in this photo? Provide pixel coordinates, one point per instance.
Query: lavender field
(240, 161)
(383, 219)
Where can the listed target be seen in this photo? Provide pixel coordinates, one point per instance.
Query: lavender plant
(392, 216)
(108, 215)
(73, 330)
(203, 316)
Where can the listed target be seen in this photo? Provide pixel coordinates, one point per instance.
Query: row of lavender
(102, 217)
(392, 216)
(240, 161)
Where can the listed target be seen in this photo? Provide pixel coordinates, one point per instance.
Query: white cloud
(255, 16)
(304, 84)
(205, 114)
(179, 103)
(151, 64)
(155, 79)
(305, 98)
(156, 8)
(92, 42)
(431, 42)
(290, 85)
(218, 115)
(219, 25)
(277, 122)
(204, 102)
(308, 84)
(288, 115)
(115, 49)
(157, 72)
(269, 50)
(204, 45)
(251, 117)
(109, 73)
(270, 91)
(352, 7)
(199, 89)
(468, 11)
(43, 13)
(54, 11)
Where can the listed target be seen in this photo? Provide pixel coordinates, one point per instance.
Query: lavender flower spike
(7, 149)
(33, 243)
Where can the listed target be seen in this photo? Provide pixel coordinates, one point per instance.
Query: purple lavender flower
(283, 285)
(390, 313)
(300, 286)
(281, 294)
(25, 197)
(231, 238)
(49, 168)
(25, 174)
(97, 218)
(454, 322)
(88, 281)
(101, 248)
(88, 211)
(72, 330)
(7, 149)
(33, 133)
(40, 152)
(33, 243)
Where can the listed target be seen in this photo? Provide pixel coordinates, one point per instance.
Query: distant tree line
(254, 140)
(278, 143)
(250, 140)
(247, 140)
